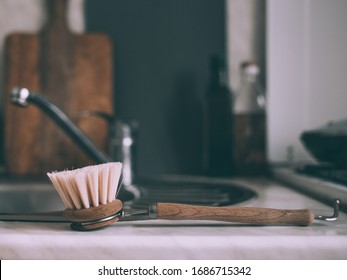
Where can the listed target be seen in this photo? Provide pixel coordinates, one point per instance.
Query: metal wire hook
(334, 216)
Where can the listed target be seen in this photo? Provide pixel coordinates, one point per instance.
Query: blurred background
(160, 67)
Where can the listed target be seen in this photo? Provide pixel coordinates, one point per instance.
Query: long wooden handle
(56, 10)
(249, 215)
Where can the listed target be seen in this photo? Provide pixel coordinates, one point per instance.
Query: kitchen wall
(162, 49)
(246, 37)
(161, 55)
(306, 68)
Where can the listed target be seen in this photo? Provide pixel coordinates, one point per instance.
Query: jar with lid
(250, 123)
(218, 121)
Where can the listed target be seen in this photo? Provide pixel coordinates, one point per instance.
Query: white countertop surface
(187, 240)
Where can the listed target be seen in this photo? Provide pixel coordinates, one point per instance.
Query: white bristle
(103, 181)
(112, 179)
(82, 189)
(89, 186)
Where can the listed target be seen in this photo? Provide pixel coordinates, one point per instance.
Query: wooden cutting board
(74, 72)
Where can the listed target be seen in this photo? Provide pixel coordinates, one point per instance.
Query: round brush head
(89, 193)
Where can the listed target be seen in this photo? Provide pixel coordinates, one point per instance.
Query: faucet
(23, 96)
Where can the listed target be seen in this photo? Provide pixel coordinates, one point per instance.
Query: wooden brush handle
(249, 215)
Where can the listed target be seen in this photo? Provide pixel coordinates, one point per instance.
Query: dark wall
(161, 53)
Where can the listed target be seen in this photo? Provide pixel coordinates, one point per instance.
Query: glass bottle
(218, 121)
(250, 123)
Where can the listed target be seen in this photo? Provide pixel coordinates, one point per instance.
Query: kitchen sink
(25, 197)
(191, 190)
(28, 197)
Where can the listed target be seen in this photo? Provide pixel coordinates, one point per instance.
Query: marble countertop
(187, 239)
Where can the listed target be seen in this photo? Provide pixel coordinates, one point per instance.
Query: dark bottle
(250, 123)
(218, 122)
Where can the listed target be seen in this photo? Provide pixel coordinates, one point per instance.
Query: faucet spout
(23, 96)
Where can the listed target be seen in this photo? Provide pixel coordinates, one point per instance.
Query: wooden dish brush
(89, 194)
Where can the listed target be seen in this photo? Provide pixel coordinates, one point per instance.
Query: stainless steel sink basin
(26, 197)
(192, 190)
(29, 198)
